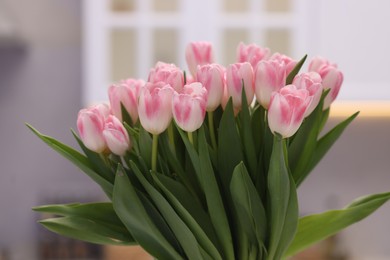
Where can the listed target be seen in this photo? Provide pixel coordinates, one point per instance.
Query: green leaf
(77, 159)
(295, 70)
(248, 205)
(145, 146)
(183, 234)
(324, 144)
(87, 230)
(213, 198)
(229, 147)
(279, 194)
(314, 228)
(133, 213)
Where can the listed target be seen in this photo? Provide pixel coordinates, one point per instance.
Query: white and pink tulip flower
(155, 107)
(270, 76)
(167, 73)
(116, 136)
(287, 61)
(236, 75)
(90, 124)
(251, 53)
(332, 78)
(198, 53)
(287, 110)
(126, 93)
(312, 82)
(189, 107)
(212, 77)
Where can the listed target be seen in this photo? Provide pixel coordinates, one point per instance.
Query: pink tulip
(212, 77)
(155, 107)
(287, 110)
(116, 136)
(311, 81)
(127, 93)
(90, 124)
(288, 62)
(270, 76)
(332, 78)
(198, 53)
(236, 75)
(189, 107)
(251, 53)
(167, 73)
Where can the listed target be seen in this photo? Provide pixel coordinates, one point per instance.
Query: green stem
(171, 137)
(154, 152)
(210, 115)
(190, 137)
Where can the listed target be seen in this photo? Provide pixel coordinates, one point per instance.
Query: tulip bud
(189, 107)
(236, 75)
(270, 76)
(288, 62)
(287, 109)
(167, 73)
(311, 81)
(251, 53)
(332, 78)
(198, 53)
(125, 93)
(90, 124)
(212, 77)
(116, 136)
(155, 107)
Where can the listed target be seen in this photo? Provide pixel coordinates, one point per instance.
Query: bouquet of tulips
(207, 165)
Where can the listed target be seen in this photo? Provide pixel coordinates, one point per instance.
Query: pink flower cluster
(169, 95)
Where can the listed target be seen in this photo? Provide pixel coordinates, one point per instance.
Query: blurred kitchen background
(57, 56)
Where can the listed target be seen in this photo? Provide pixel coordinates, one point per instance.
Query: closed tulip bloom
(90, 124)
(270, 76)
(116, 136)
(189, 107)
(311, 81)
(167, 73)
(198, 53)
(212, 77)
(287, 110)
(236, 75)
(287, 61)
(155, 107)
(332, 78)
(251, 53)
(125, 93)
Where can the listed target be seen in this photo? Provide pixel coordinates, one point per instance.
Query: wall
(43, 89)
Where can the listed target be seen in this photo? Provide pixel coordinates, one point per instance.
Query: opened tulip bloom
(167, 73)
(270, 76)
(212, 77)
(251, 53)
(189, 107)
(125, 93)
(311, 81)
(155, 107)
(287, 110)
(116, 136)
(198, 53)
(90, 124)
(287, 61)
(237, 75)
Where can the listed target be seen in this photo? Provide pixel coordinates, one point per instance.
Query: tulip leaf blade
(314, 228)
(77, 159)
(137, 217)
(248, 205)
(324, 144)
(296, 69)
(213, 197)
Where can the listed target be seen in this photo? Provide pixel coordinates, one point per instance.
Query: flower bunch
(206, 165)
